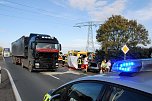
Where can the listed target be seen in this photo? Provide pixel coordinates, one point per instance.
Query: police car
(130, 80)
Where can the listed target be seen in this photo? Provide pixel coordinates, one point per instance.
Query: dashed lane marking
(55, 77)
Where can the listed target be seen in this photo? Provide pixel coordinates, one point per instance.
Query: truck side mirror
(60, 47)
(32, 45)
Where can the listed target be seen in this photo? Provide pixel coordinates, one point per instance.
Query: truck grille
(47, 60)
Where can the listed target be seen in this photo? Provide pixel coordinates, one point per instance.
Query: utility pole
(90, 44)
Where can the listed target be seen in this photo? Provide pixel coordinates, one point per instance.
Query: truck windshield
(47, 45)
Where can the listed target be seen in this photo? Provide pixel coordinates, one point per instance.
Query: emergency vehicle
(130, 80)
(72, 53)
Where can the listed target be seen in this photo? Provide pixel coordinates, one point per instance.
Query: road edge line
(17, 96)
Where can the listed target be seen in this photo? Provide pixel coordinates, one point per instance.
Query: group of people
(105, 66)
(83, 64)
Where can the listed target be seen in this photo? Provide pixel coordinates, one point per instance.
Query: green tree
(1, 49)
(118, 31)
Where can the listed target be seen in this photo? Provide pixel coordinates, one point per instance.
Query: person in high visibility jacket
(103, 66)
(79, 62)
(47, 97)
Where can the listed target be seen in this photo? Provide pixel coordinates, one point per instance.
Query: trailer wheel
(13, 60)
(30, 67)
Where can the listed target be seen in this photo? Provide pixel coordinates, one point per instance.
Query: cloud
(3, 2)
(82, 4)
(60, 3)
(99, 9)
(143, 14)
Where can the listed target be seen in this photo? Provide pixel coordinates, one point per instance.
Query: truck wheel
(53, 70)
(22, 65)
(30, 67)
(13, 61)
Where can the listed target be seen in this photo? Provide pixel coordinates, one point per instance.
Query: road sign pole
(124, 56)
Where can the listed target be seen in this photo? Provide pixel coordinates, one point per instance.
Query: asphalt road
(33, 86)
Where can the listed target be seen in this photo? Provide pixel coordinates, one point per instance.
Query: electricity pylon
(90, 43)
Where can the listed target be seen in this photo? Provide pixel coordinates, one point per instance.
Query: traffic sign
(125, 49)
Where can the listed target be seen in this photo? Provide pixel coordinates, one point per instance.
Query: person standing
(85, 63)
(79, 62)
(108, 67)
(103, 66)
(63, 60)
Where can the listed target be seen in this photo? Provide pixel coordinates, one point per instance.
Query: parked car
(93, 66)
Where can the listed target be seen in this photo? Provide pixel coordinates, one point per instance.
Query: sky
(58, 18)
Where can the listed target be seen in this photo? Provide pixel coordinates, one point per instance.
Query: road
(33, 86)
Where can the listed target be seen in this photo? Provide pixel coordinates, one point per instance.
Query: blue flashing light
(127, 66)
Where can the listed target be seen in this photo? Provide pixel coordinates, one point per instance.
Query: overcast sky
(57, 18)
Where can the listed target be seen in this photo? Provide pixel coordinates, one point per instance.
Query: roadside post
(125, 49)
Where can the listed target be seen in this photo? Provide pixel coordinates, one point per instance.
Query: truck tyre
(13, 60)
(53, 70)
(22, 65)
(30, 67)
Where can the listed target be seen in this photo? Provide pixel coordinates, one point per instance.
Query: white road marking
(16, 93)
(55, 77)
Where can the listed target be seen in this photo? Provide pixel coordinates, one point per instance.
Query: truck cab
(43, 52)
(38, 51)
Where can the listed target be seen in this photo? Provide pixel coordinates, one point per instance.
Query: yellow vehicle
(72, 53)
(82, 53)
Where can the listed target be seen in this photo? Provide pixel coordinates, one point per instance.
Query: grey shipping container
(20, 47)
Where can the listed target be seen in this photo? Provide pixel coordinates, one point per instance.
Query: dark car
(131, 80)
(93, 66)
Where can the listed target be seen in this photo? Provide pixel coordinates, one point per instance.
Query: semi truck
(36, 52)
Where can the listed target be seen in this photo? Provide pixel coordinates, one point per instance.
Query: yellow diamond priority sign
(125, 49)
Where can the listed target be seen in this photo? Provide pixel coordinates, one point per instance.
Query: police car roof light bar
(132, 66)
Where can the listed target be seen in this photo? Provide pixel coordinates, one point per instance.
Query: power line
(16, 17)
(90, 44)
(27, 6)
(20, 9)
(38, 10)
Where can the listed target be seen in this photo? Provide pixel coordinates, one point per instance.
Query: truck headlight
(37, 65)
(57, 64)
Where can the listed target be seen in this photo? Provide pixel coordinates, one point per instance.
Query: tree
(118, 31)
(1, 49)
